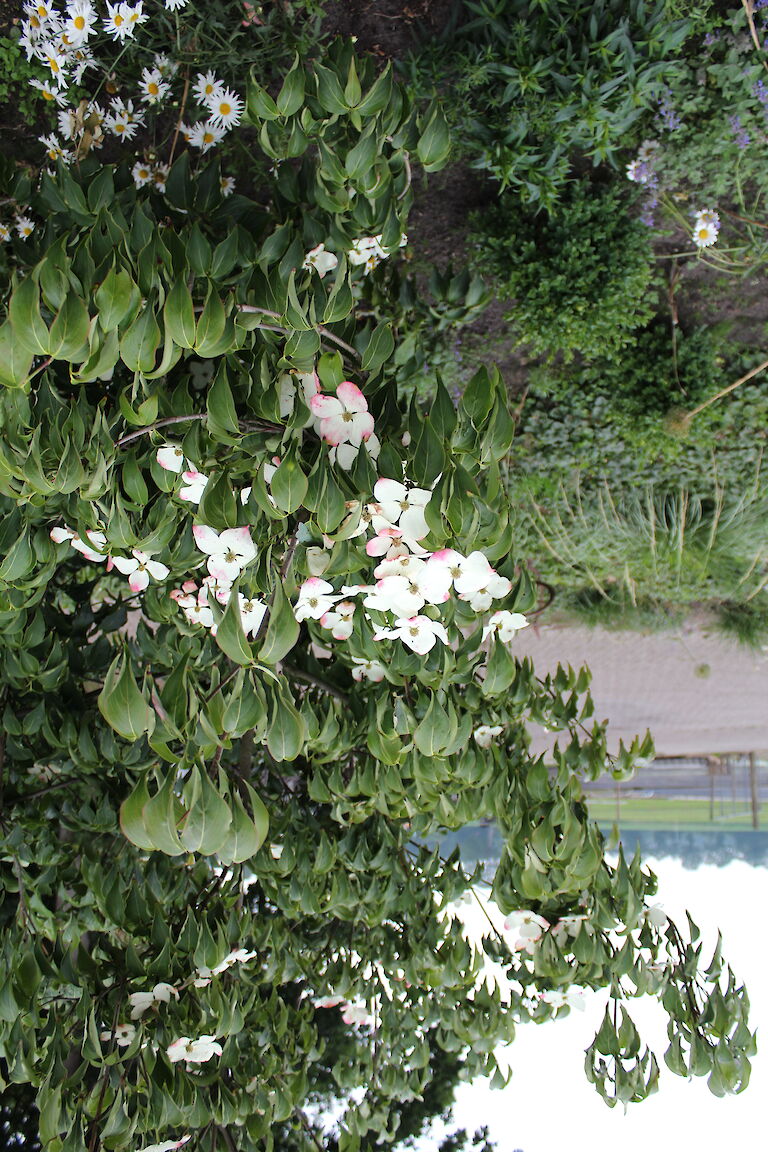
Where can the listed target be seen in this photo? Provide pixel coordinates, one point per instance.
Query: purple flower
(742, 136)
(761, 92)
(670, 118)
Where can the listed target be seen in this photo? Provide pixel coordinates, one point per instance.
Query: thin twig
(181, 115)
(159, 424)
(308, 678)
(323, 331)
(742, 380)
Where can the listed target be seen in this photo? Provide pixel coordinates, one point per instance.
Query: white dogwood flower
(228, 552)
(193, 1051)
(486, 733)
(316, 597)
(504, 625)
(419, 633)
(320, 260)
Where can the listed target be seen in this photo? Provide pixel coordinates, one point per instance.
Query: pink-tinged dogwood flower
(193, 1051)
(419, 633)
(355, 1012)
(320, 260)
(193, 487)
(403, 506)
(504, 625)
(194, 604)
(139, 568)
(228, 552)
(405, 585)
(343, 417)
(170, 457)
(530, 927)
(99, 541)
(345, 454)
(340, 620)
(316, 597)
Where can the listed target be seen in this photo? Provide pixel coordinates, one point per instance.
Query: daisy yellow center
(118, 20)
(47, 95)
(42, 11)
(34, 22)
(133, 17)
(79, 22)
(225, 108)
(703, 233)
(207, 137)
(53, 65)
(153, 88)
(209, 89)
(119, 128)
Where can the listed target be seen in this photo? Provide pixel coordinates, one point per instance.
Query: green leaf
(329, 91)
(261, 106)
(68, 337)
(218, 504)
(113, 298)
(210, 326)
(179, 315)
(131, 818)
(289, 484)
(291, 95)
(161, 815)
(122, 704)
(379, 348)
(286, 732)
(434, 732)
(230, 636)
(331, 506)
(246, 834)
(25, 318)
(139, 344)
(15, 360)
(207, 823)
(434, 143)
(222, 415)
(19, 560)
(282, 628)
(501, 669)
(428, 457)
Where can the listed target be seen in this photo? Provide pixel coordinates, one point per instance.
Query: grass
(677, 813)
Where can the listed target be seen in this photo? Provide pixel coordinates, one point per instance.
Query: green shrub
(579, 276)
(533, 82)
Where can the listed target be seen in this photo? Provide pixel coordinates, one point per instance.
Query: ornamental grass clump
(579, 277)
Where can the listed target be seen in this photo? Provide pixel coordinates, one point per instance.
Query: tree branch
(159, 424)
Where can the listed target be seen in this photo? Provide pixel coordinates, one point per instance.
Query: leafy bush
(579, 275)
(659, 370)
(747, 623)
(532, 84)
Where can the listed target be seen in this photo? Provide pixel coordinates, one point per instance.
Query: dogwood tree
(259, 607)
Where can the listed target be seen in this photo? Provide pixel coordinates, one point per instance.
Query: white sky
(549, 1106)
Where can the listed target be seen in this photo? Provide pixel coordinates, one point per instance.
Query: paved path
(698, 693)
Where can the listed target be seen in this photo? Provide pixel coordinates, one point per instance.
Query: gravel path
(697, 693)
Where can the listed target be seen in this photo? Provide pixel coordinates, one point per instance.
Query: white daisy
(141, 173)
(51, 94)
(80, 22)
(205, 135)
(5, 232)
(227, 185)
(704, 235)
(174, 5)
(165, 66)
(226, 108)
(159, 176)
(24, 226)
(152, 87)
(53, 148)
(206, 87)
(120, 126)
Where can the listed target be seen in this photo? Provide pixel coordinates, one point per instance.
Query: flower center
(152, 88)
(47, 95)
(347, 417)
(231, 557)
(117, 20)
(79, 22)
(413, 630)
(225, 109)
